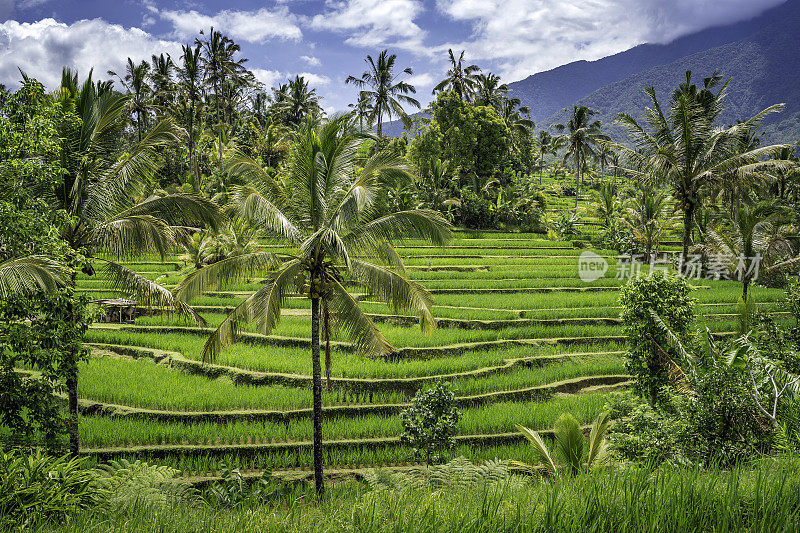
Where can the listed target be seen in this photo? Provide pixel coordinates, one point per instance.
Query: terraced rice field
(521, 340)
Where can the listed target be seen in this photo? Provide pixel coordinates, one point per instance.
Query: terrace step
(539, 393)
(161, 451)
(408, 384)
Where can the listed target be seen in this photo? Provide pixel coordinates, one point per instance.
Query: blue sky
(327, 40)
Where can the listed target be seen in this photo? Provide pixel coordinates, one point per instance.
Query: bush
(650, 349)
(430, 423)
(475, 212)
(37, 488)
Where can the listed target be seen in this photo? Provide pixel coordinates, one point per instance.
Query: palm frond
(148, 292)
(31, 274)
(129, 236)
(223, 272)
(254, 207)
(349, 318)
(540, 447)
(597, 444)
(180, 210)
(263, 306)
(396, 290)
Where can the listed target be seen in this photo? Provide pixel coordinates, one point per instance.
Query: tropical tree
(755, 239)
(686, 150)
(135, 82)
(362, 110)
(295, 101)
(546, 144)
(31, 274)
(571, 452)
(190, 89)
(606, 204)
(489, 91)
(460, 79)
(580, 137)
(324, 209)
(380, 86)
(161, 69)
(649, 217)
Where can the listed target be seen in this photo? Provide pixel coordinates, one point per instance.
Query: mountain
(762, 56)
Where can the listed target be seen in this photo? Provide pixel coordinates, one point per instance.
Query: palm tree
(571, 451)
(685, 149)
(580, 139)
(754, 239)
(105, 195)
(135, 82)
(323, 208)
(296, 101)
(547, 144)
(606, 205)
(384, 91)
(489, 91)
(190, 81)
(649, 217)
(461, 80)
(161, 76)
(362, 110)
(604, 156)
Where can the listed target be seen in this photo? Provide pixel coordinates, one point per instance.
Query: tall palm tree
(105, 191)
(685, 149)
(580, 137)
(135, 82)
(752, 241)
(460, 79)
(362, 110)
(296, 101)
(649, 217)
(161, 69)
(383, 89)
(547, 144)
(324, 209)
(489, 91)
(606, 205)
(190, 88)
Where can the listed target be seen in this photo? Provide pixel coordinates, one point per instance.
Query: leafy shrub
(651, 353)
(458, 474)
(475, 212)
(38, 488)
(234, 491)
(130, 484)
(430, 423)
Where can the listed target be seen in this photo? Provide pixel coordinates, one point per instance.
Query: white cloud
(251, 26)
(526, 36)
(42, 48)
(271, 78)
(421, 80)
(370, 24)
(311, 60)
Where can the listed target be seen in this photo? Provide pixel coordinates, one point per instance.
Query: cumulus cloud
(250, 26)
(42, 48)
(421, 80)
(370, 24)
(311, 60)
(271, 78)
(527, 36)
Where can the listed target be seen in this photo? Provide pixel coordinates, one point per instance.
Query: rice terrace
(245, 287)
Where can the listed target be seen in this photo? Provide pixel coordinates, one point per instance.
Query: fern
(130, 484)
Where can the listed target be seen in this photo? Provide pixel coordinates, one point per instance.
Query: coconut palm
(362, 110)
(190, 87)
(547, 144)
(755, 239)
(295, 101)
(684, 148)
(571, 452)
(606, 205)
(135, 82)
(379, 84)
(460, 79)
(30, 274)
(161, 69)
(580, 137)
(324, 209)
(489, 91)
(649, 217)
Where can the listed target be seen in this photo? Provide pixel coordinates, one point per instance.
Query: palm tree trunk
(578, 183)
(319, 481)
(745, 285)
(327, 332)
(688, 217)
(72, 400)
